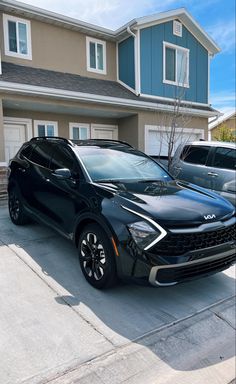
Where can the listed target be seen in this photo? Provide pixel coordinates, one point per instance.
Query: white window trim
(78, 125)
(176, 47)
(159, 128)
(45, 122)
(7, 18)
(96, 41)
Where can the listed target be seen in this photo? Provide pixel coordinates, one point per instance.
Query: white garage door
(100, 131)
(157, 139)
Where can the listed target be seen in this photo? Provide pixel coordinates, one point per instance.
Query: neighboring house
(61, 76)
(227, 120)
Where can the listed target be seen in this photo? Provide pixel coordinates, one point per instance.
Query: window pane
(12, 36)
(50, 130)
(22, 38)
(170, 64)
(41, 154)
(83, 133)
(195, 155)
(100, 56)
(92, 55)
(62, 158)
(181, 67)
(76, 133)
(41, 130)
(225, 158)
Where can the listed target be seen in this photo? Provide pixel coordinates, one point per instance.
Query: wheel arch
(90, 218)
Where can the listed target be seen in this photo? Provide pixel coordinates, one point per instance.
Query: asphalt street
(55, 328)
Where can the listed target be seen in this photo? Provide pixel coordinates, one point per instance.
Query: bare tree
(173, 124)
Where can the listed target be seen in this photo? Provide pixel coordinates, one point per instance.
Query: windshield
(120, 164)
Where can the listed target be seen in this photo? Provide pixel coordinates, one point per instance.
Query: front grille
(178, 244)
(187, 272)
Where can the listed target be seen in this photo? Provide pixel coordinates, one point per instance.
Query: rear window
(195, 154)
(225, 158)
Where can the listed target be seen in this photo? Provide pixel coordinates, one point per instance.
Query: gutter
(24, 89)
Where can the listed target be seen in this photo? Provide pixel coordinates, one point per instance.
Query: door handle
(212, 174)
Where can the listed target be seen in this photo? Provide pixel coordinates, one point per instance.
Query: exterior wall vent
(177, 28)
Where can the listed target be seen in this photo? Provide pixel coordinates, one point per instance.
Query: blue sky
(216, 17)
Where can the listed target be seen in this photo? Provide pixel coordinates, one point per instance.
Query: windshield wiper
(107, 181)
(151, 181)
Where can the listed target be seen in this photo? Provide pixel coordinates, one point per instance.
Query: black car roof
(106, 143)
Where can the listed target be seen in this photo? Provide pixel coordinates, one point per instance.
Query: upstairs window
(96, 55)
(17, 37)
(175, 65)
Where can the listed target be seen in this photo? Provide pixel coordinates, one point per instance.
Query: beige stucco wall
(62, 119)
(128, 130)
(2, 150)
(60, 49)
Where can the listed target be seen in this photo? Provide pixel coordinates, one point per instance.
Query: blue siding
(151, 63)
(126, 62)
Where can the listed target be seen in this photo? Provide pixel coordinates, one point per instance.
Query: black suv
(127, 216)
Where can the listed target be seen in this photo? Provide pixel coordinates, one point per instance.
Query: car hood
(173, 203)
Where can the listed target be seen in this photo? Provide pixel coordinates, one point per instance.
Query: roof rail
(92, 141)
(53, 138)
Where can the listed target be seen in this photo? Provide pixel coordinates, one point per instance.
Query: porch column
(2, 147)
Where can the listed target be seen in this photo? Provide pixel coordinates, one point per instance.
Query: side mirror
(62, 173)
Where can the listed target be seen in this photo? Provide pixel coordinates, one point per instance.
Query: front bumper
(171, 274)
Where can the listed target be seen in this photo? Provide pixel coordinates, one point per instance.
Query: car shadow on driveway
(127, 312)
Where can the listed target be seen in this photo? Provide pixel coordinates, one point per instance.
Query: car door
(221, 171)
(39, 171)
(65, 193)
(191, 165)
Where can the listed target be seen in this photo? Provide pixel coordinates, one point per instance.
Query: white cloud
(107, 13)
(224, 34)
(224, 101)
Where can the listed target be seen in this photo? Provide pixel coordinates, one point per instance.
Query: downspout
(136, 58)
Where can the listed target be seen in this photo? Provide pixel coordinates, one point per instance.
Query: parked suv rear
(211, 165)
(127, 216)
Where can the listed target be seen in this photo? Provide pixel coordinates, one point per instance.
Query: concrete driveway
(55, 328)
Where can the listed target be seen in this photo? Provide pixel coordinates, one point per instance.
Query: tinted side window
(61, 158)
(225, 158)
(41, 154)
(26, 151)
(195, 154)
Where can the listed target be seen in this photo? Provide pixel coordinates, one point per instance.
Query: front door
(100, 131)
(15, 136)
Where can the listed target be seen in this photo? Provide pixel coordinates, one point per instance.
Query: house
(61, 76)
(227, 120)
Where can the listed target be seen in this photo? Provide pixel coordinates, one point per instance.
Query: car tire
(96, 256)
(16, 208)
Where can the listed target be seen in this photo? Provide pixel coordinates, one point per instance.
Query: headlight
(143, 234)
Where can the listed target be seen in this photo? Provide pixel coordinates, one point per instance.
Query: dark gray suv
(209, 164)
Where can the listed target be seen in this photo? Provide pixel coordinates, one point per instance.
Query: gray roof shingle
(65, 81)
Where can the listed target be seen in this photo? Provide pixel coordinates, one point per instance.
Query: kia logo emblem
(209, 217)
